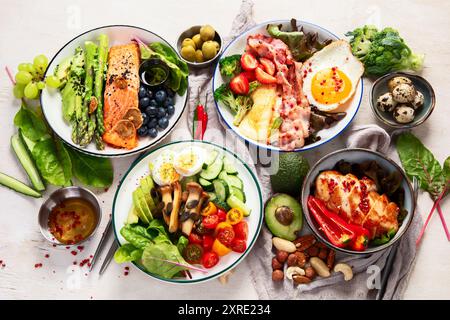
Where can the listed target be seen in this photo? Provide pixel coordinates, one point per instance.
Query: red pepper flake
(73, 252)
(47, 256)
(67, 247)
(127, 268)
(106, 189)
(91, 256)
(74, 263)
(38, 265)
(309, 70)
(80, 248)
(125, 273)
(84, 262)
(54, 245)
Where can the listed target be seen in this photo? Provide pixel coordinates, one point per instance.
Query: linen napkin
(366, 269)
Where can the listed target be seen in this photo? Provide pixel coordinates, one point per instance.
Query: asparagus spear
(76, 79)
(99, 78)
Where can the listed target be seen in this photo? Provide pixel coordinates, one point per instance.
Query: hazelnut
(309, 272)
(277, 275)
(282, 256)
(276, 264)
(292, 260)
(301, 259)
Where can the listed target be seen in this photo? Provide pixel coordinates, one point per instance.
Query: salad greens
(383, 51)
(163, 259)
(230, 66)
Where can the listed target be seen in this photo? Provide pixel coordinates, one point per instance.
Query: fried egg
(189, 161)
(331, 75)
(163, 170)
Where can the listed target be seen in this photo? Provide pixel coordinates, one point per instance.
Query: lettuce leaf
(127, 253)
(163, 259)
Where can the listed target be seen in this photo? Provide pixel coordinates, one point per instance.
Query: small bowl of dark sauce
(153, 72)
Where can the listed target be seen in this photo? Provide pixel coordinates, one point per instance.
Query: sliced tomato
(193, 253)
(210, 259)
(241, 230)
(211, 221)
(222, 215)
(207, 242)
(239, 245)
(195, 238)
(268, 65)
(248, 62)
(209, 209)
(221, 249)
(240, 85)
(250, 75)
(264, 77)
(235, 215)
(226, 236)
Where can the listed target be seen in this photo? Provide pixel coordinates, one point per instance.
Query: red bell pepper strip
(336, 230)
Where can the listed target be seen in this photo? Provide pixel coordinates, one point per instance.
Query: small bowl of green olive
(199, 46)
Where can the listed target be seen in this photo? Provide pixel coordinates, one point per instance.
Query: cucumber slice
(228, 166)
(213, 170)
(210, 158)
(132, 216)
(18, 186)
(212, 196)
(238, 193)
(221, 189)
(27, 163)
(232, 180)
(207, 185)
(221, 204)
(30, 144)
(234, 202)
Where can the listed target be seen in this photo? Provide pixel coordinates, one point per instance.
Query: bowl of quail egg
(402, 100)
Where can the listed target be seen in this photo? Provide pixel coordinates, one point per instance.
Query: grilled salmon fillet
(121, 95)
(358, 201)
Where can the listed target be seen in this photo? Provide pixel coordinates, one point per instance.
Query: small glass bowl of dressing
(69, 216)
(153, 72)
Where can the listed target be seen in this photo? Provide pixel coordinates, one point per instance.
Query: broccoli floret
(224, 94)
(230, 66)
(244, 104)
(362, 39)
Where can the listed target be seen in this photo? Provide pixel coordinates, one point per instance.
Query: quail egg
(386, 102)
(396, 81)
(404, 93)
(403, 113)
(418, 100)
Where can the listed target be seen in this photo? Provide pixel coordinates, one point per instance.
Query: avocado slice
(284, 216)
(142, 201)
(138, 209)
(144, 185)
(132, 216)
(151, 186)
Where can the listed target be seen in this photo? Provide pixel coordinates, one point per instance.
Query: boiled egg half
(189, 161)
(163, 170)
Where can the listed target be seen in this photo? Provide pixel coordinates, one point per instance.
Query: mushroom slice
(187, 225)
(135, 116)
(166, 194)
(173, 221)
(124, 128)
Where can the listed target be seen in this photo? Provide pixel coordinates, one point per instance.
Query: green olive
(209, 50)
(199, 56)
(207, 32)
(188, 52)
(188, 42)
(217, 45)
(198, 41)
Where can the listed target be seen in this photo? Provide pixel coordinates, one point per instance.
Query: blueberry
(144, 118)
(163, 123)
(149, 94)
(151, 111)
(170, 92)
(168, 102)
(142, 92)
(161, 112)
(152, 132)
(144, 102)
(142, 131)
(153, 103)
(160, 96)
(152, 123)
(170, 110)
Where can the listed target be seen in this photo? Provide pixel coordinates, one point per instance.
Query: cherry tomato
(219, 248)
(207, 242)
(209, 209)
(210, 259)
(211, 221)
(250, 75)
(264, 77)
(202, 230)
(222, 215)
(248, 62)
(241, 230)
(239, 84)
(195, 238)
(268, 66)
(239, 245)
(234, 216)
(193, 253)
(226, 235)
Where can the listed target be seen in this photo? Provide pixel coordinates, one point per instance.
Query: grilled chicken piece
(121, 95)
(357, 201)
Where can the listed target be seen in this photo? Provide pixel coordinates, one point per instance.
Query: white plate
(123, 201)
(238, 45)
(51, 99)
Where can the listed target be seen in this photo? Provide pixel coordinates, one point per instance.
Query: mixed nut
(303, 259)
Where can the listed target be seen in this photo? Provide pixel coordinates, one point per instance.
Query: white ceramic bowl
(123, 201)
(238, 45)
(51, 99)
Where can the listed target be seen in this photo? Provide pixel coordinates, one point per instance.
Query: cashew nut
(320, 267)
(285, 245)
(345, 269)
(294, 270)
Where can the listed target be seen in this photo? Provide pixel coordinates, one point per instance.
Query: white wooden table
(32, 27)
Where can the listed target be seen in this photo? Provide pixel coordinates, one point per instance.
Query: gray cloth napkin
(365, 268)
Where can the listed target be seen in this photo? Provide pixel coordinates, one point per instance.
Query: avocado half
(284, 216)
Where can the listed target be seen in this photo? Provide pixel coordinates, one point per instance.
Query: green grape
(18, 90)
(23, 67)
(40, 63)
(41, 85)
(23, 77)
(53, 81)
(31, 91)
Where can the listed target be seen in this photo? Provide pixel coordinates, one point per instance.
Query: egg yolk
(330, 86)
(167, 173)
(186, 162)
